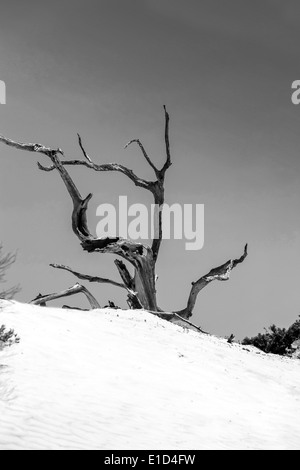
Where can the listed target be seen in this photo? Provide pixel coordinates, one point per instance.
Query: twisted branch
(221, 273)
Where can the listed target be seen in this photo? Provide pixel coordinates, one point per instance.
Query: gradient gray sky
(105, 68)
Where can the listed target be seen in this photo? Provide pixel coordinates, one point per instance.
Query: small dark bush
(8, 337)
(276, 340)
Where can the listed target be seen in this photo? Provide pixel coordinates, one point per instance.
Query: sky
(105, 69)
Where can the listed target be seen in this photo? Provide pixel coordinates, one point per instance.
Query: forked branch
(137, 141)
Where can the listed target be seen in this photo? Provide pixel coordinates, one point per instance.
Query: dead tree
(140, 285)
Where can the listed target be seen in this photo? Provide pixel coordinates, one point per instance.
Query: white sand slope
(128, 380)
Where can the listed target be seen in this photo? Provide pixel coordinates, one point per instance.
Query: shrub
(8, 337)
(275, 340)
(5, 262)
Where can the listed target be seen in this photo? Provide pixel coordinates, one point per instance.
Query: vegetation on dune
(6, 260)
(277, 340)
(8, 337)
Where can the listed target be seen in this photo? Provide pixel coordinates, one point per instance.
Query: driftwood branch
(176, 315)
(76, 289)
(222, 273)
(85, 277)
(171, 315)
(38, 148)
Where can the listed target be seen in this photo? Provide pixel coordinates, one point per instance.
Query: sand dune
(111, 379)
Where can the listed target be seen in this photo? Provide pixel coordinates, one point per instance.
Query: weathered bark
(132, 298)
(76, 289)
